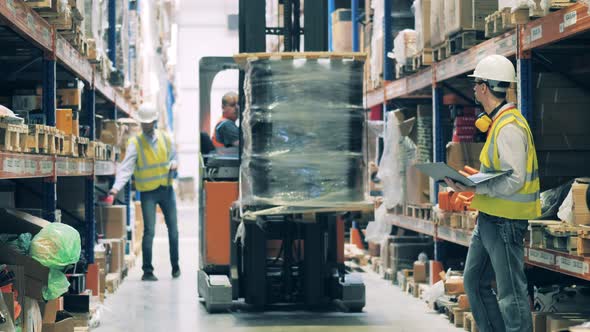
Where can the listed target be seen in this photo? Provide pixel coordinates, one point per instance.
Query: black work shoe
(149, 276)
(176, 273)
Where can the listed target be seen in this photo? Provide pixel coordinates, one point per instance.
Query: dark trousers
(166, 199)
(497, 253)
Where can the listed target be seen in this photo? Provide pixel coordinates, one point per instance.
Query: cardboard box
(437, 23)
(454, 286)
(461, 154)
(422, 23)
(463, 302)
(50, 315)
(111, 132)
(417, 186)
(420, 272)
(117, 254)
(435, 268)
(93, 278)
(64, 120)
(66, 325)
(112, 221)
(463, 15)
(342, 30)
(69, 97)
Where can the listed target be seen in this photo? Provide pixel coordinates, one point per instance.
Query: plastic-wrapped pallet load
(464, 15)
(437, 23)
(404, 46)
(536, 7)
(303, 128)
(376, 60)
(421, 10)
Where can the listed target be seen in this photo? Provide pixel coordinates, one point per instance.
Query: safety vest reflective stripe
(525, 203)
(152, 166)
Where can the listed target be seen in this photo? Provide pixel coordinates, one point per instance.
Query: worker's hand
(458, 187)
(173, 165)
(113, 192)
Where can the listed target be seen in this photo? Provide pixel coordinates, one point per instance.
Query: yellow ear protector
(483, 122)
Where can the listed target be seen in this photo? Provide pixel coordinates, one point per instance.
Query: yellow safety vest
(525, 204)
(153, 163)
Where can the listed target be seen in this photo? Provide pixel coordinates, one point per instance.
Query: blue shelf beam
(331, 9)
(355, 25)
(388, 73)
(49, 184)
(112, 34)
(525, 88)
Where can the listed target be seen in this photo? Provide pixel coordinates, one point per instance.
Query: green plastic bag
(57, 285)
(56, 246)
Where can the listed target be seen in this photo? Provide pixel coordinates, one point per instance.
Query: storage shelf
(541, 32)
(556, 26)
(561, 262)
(455, 235)
(103, 168)
(28, 24)
(24, 165)
(19, 165)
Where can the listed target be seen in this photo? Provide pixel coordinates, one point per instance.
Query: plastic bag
(32, 319)
(566, 209)
(379, 229)
(57, 285)
(434, 293)
(390, 168)
(19, 243)
(56, 246)
(552, 199)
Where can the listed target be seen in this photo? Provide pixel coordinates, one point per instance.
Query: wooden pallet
(469, 322)
(97, 150)
(562, 238)
(404, 69)
(83, 143)
(243, 58)
(41, 139)
(441, 51)
(70, 146)
(458, 316)
(423, 59)
(464, 40)
(59, 141)
(498, 22)
(422, 211)
(13, 137)
(442, 218)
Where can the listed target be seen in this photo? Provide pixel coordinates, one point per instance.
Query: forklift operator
(226, 133)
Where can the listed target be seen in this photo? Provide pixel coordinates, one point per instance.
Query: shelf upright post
(355, 28)
(127, 194)
(387, 41)
(89, 108)
(524, 66)
(438, 152)
(112, 36)
(50, 183)
(331, 9)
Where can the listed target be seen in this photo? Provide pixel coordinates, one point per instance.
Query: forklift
(295, 256)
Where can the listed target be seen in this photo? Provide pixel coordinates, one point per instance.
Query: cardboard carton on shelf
(461, 154)
(112, 221)
(50, 318)
(420, 272)
(342, 30)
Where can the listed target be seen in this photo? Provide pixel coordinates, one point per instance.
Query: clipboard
(439, 171)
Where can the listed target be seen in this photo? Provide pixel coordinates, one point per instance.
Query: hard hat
(494, 69)
(147, 113)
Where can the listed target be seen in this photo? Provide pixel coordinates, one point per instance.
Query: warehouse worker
(505, 205)
(226, 133)
(151, 158)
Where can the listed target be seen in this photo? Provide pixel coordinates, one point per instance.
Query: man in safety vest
(151, 158)
(505, 205)
(226, 133)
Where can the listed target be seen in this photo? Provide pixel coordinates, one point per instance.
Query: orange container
(64, 120)
(76, 127)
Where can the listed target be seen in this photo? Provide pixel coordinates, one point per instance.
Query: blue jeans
(165, 197)
(497, 252)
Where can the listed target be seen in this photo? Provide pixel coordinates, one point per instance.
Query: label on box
(536, 33)
(541, 257)
(46, 166)
(571, 265)
(570, 19)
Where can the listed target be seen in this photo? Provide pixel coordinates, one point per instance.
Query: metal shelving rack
(39, 35)
(520, 42)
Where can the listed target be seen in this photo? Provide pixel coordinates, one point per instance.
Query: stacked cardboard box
(465, 15)
(422, 24)
(342, 30)
(437, 23)
(112, 223)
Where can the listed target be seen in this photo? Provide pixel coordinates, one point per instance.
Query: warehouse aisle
(172, 305)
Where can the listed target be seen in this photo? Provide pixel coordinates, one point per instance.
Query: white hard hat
(494, 69)
(147, 113)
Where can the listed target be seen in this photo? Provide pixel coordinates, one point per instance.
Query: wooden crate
(13, 137)
(419, 211)
(41, 139)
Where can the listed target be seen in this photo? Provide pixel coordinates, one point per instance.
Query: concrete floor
(172, 305)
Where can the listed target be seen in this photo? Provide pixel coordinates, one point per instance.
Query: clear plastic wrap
(390, 167)
(421, 9)
(537, 7)
(404, 46)
(378, 230)
(303, 128)
(376, 65)
(437, 23)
